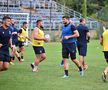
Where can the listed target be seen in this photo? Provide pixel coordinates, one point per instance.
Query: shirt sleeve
(20, 31)
(87, 30)
(15, 30)
(73, 28)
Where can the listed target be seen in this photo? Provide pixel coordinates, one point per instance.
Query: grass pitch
(20, 76)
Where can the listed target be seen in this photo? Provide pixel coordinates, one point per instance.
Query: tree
(84, 8)
(103, 14)
(92, 6)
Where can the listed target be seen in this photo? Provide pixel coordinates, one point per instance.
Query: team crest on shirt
(3, 32)
(9, 32)
(40, 51)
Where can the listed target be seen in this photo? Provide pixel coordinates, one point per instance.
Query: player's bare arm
(76, 34)
(1, 45)
(101, 40)
(88, 36)
(35, 35)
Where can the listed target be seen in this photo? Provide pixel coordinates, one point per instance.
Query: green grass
(20, 76)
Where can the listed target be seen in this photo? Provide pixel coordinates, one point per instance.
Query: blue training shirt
(13, 29)
(82, 29)
(68, 30)
(5, 35)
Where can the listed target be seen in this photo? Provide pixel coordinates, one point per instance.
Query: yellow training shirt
(40, 35)
(105, 40)
(22, 35)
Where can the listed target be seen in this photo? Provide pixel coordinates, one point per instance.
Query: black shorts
(15, 42)
(82, 49)
(39, 50)
(5, 56)
(20, 44)
(69, 49)
(106, 54)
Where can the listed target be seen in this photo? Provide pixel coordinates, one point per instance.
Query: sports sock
(22, 57)
(66, 72)
(19, 58)
(80, 68)
(18, 51)
(13, 57)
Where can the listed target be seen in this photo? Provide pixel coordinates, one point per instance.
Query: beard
(65, 23)
(41, 27)
(7, 25)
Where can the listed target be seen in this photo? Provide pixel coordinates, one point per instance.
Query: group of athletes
(11, 38)
(72, 37)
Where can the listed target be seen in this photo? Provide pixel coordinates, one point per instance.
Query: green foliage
(103, 14)
(93, 6)
(84, 8)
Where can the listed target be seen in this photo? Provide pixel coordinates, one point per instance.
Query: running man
(38, 40)
(69, 38)
(5, 43)
(104, 43)
(22, 36)
(14, 42)
(82, 40)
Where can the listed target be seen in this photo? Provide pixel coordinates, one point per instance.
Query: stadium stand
(48, 10)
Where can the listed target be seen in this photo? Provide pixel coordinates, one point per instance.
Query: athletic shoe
(81, 72)
(104, 76)
(22, 60)
(85, 67)
(62, 63)
(11, 63)
(65, 76)
(34, 68)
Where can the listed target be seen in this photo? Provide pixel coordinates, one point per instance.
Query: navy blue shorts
(5, 56)
(82, 49)
(39, 50)
(20, 44)
(69, 49)
(15, 42)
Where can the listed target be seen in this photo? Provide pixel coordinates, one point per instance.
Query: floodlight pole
(50, 15)
(7, 5)
(30, 16)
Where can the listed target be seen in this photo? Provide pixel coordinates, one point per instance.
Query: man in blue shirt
(82, 41)
(69, 38)
(5, 42)
(15, 42)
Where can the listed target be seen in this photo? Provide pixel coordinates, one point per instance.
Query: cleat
(22, 60)
(65, 76)
(81, 72)
(34, 68)
(62, 63)
(104, 76)
(11, 63)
